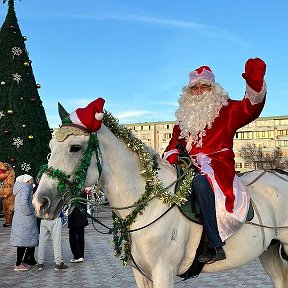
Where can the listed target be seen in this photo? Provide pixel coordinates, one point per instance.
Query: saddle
(191, 208)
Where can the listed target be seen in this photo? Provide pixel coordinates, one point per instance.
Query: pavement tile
(102, 269)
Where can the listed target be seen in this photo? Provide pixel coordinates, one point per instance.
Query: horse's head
(72, 164)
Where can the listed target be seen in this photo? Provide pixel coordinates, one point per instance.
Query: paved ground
(101, 269)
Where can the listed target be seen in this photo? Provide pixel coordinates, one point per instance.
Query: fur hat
(201, 74)
(24, 178)
(89, 117)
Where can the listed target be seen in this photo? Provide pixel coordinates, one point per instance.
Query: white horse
(167, 247)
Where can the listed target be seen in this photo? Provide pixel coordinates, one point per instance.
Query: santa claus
(207, 120)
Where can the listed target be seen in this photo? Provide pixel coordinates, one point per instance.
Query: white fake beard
(197, 112)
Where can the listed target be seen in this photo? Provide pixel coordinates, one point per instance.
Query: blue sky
(137, 54)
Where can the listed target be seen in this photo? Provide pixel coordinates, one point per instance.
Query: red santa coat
(215, 158)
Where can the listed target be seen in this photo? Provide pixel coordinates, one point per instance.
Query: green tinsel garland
(153, 187)
(55, 174)
(81, 171)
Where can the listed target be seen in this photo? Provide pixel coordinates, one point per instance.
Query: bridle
(75, 187)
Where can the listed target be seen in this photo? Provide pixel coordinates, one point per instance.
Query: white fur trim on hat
(205, 75)
(75, 119)
(99, 116)
(24, 178)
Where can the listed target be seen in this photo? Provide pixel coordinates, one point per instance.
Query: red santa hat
(201, 74)
(89, 117)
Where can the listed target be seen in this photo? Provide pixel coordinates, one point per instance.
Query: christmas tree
(24, 130)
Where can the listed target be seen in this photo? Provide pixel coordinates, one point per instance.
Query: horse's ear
(62, 112)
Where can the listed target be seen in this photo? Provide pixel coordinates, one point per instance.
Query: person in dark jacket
(77, 221)
(24, 231)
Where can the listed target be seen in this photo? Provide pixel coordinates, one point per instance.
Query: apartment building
(265, 132)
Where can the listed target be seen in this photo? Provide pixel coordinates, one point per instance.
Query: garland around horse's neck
(153, 186)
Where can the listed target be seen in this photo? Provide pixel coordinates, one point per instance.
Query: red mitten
(254, 73)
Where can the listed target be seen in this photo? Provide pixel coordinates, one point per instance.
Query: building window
(280, 132)
(283, 143)
(240, 135)
(247, 165)
(283, 121)
(247, 135)
(238, 165)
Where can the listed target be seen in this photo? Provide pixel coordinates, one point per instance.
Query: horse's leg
(163, 277)
(141, 280)
(274, 266)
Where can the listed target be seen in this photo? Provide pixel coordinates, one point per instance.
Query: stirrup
(213, 255)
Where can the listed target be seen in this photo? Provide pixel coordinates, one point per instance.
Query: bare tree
(251, 154)
(265, 160)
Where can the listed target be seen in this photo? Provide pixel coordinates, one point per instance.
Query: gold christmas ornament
(38, 85)
(30, 137)
(10, 112)
(26, 64)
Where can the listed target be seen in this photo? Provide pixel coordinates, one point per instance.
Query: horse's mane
(127, 135)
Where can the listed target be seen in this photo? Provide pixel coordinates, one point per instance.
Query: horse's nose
(41, 205)
(45, 205)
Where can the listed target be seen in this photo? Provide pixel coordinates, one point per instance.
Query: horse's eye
(75, 148)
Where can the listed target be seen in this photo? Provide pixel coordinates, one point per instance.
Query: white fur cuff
(255, 97)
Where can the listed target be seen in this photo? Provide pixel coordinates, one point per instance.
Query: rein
(261, 225)
(265, 171)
